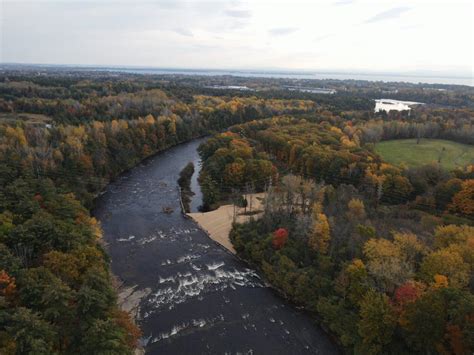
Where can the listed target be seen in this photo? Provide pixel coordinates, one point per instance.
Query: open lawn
(449, 154)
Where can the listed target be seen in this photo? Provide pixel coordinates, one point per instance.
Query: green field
(449, 154)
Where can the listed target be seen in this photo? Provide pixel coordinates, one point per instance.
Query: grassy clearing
(449, 154)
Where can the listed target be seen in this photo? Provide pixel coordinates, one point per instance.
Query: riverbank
(218, 223)
(128, 299)
(194, 287)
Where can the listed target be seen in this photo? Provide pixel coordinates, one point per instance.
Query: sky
(339, 35)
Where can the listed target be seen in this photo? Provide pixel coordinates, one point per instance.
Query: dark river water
(203, 300)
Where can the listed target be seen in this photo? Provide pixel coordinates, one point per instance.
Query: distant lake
(397, 105)
(231, 87)
(456, 80)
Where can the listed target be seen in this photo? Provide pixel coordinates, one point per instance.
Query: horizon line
(425, 73)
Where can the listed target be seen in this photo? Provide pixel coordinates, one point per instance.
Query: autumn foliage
(134, 333)
(280, 236)
(408, 292)
(382, 253)
(463, 201)
(389, 248)
(7, 286)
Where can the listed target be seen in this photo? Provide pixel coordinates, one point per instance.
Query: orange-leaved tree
(463, 201)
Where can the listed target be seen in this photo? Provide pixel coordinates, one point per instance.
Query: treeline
(456, 125)
(56, 293)
(80, 101)
(383, 255)
(454, 97)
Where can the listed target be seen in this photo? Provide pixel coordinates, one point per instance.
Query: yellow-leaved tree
(320, 235)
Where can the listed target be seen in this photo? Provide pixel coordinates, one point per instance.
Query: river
(202, 299)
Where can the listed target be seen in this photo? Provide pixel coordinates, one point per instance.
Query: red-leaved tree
(408, 292)
(280, 236)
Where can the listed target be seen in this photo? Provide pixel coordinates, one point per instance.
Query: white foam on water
(147, 240)
(196, 268)
(165, 335)
(180, 231)
(187, 258)
(189, 325)
(167, 279)
(166, 262)
(215, 266)
(199, 323)
(174, 234)
(130, 238)
(179, 288)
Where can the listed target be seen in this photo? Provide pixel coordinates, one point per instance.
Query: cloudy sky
(378, 35)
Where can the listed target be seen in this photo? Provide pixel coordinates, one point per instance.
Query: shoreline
(218, 223)
(205, 221)
(128, 300)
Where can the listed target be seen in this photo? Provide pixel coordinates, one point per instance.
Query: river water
(202, 299)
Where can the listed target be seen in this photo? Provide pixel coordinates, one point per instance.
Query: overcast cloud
(388, 14)
(331, 35)
(282, 31)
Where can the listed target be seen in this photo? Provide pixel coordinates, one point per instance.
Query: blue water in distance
(387, 77)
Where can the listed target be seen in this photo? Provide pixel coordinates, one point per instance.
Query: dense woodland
(372, 249)
(56, 293)
(382, 255)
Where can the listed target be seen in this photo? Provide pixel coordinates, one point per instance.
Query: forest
(381, 255)
(373, 250)
(57, 294)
